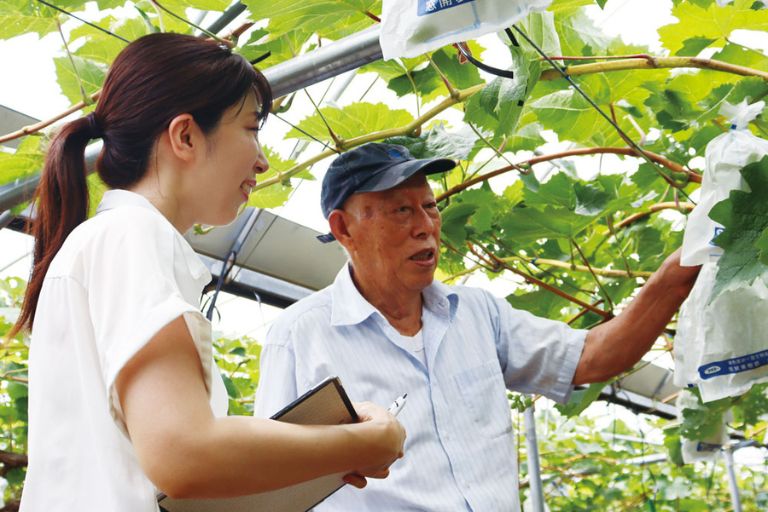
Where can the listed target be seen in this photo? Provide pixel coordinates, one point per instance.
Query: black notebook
(325, 404)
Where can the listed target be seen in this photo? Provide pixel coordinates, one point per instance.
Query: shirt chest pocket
(484, 399)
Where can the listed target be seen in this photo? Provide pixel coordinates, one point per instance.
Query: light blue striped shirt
(460, 453)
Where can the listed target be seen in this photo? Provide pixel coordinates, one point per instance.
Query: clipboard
(325, 404)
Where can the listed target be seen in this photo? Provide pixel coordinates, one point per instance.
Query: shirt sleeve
(133, 293)
(537, 355)
(277, 382)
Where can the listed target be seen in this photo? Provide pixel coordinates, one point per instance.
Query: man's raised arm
(616, 345)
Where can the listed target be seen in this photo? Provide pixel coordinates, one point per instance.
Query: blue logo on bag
(433, 6)
(735, 365)
(718, 231)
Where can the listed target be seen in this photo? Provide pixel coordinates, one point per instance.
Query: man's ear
(184, 136)
(338, 221)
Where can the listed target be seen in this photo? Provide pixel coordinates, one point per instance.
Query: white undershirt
(413, 344)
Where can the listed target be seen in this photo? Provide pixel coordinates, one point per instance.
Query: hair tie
(93, 126)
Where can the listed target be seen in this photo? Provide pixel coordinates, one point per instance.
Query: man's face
(395, 235)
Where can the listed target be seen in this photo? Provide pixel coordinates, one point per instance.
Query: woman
(124, 398)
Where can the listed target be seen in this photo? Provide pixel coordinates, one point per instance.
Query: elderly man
(387, 328)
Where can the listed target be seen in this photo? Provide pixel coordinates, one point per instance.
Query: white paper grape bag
(721, 344)
(410, 28)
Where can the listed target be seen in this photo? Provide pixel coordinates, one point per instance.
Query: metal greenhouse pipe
(346, 54)
(733, 484)
(13, 195)
(232, 12)
(536, 493)
(343, 55)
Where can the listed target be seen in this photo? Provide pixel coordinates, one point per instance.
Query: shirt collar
(349, 307)
(117, 198)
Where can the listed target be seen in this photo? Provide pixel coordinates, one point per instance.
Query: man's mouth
(427, 255)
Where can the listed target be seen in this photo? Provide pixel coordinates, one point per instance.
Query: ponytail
(61, 204)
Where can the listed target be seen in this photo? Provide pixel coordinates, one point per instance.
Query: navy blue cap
(372, 167)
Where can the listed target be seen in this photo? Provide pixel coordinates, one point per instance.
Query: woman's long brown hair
(154, 79)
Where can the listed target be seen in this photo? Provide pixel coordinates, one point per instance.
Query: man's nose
(424, 223)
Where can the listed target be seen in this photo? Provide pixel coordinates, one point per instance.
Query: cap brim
(393, 176)
(326, 238)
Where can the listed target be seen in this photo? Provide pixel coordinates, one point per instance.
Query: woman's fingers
(356, 480)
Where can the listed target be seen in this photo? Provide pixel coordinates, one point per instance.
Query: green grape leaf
(455, 219)
(737, 54)
(96, 190)
(705, 421)
(748, 408)
(426, 81)
(744, 217)
(352, 121)
(542, 303)
(693, 46)
(580, 36)
(527, 137)
(762, 245)
(280, 48)
(277, 194)
(330, 19)
(580, 399)
(526, 224)
(89, 74)
(19, 17)
(711, 22)
(568, 5)
(26, 161)
(103, 48)
(439, 143)
(500, 105)
(178, 6)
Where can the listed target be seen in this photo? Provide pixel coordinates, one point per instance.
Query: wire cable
(305, 133)
(505, 73)
(83, 21)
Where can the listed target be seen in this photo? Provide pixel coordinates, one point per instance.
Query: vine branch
(671, 205)
(648, 62)
(669, 164)
(538, 282)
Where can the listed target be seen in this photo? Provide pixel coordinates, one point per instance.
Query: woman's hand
(386, 436)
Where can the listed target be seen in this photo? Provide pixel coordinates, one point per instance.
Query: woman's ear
(184, 136)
